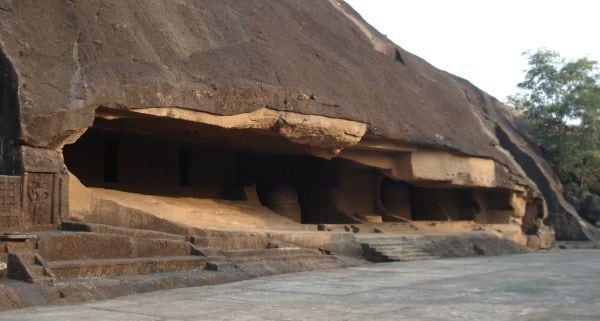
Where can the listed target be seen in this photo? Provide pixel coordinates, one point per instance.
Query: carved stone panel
(10, 202)
(40, 199)
(38, 160)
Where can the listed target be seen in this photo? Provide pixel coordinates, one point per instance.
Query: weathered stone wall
(10, 202)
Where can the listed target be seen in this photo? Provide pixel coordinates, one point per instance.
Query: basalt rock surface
(237, 57)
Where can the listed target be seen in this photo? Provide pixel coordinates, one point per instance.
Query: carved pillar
(44, 188)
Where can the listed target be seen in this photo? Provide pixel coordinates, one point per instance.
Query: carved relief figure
(39, 202)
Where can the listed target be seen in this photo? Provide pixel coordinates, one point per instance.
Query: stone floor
(558, 285)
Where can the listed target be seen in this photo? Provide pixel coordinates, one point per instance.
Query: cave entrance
(442, 204)
(427, 202)
(150, 155)
(161, 156)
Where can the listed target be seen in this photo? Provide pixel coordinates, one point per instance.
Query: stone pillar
(44, 188)
(283, 200)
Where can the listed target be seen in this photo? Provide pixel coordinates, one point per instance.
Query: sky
(483, 40)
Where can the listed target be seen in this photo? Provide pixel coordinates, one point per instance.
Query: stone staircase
(86, 250)
(74, 254)
(92, 250)
(29, 266)
(23, 261)
(256, 263)
(126, 266)
(369, 228)
(384, 248)
(231, 240)
(255, 260)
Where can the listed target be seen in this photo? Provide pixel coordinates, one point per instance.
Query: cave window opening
(111, 162)
(184, 168)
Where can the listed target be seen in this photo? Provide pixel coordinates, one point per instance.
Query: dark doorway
(184, 167)
(111, 162)
(442, 204)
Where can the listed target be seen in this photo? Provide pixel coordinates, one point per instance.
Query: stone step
(380, 237)
(399, 251)
(394, 247)
(369, 248)
(291, 255)
(406, 259)
(384, 241)
(72, 246)
(403, 253)
(27, 266)
(17, 237)
(297, 258)
(407, 253)
(277, 254)
(274, 252)
(127, 266)
(391, 246)
(205, 251)
(280, 245)
(43, 280)
(19, 246)
(27, 258)
(108, 229)
(220, 264)
(36, 270)
(231, 242)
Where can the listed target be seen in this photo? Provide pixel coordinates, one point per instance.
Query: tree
(561, 100)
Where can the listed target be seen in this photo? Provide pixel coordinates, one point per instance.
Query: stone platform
(86, 261)
(556, 285)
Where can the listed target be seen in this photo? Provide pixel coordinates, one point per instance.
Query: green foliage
(561, 101)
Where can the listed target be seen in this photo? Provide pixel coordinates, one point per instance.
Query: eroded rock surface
(136, 54)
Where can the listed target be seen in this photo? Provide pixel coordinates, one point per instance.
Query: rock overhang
(334, 73)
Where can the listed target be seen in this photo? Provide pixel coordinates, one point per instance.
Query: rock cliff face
(313, 71)
(237, 57)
